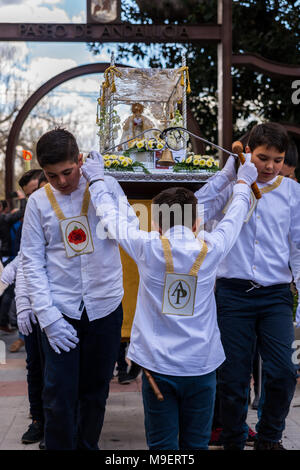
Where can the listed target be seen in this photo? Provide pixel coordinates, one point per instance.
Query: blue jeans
(77, 383)
(266, 313)
(184, 419)
(35, 372)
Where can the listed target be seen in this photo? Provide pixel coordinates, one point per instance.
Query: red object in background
(27, 155)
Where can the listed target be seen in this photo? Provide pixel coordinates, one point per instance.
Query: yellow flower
(160, 146)
(150, 144)
(209, 163)
(129, 160)
(122, 158)
(106, 157)
(107, 164)
(202, 162)
(210, 159)
(217, 163)
(115, 162)
(124, 163)
(183, 160)
(140, 144)
(189, 160)
(197, 156)
(196, 161)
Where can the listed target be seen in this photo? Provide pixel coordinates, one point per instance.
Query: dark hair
(4, 204)
(29, 176)
(172, 197)
(42, 179)
(291, 156)
(57, 146)
(270, 134)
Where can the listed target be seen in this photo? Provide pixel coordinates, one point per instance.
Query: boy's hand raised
(93, 167)
(247, 172)
(229, 168)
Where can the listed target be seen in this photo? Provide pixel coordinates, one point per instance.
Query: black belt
(247, 284)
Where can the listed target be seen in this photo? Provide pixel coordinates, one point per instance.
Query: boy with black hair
(290, 161)
(175, 332)
(74, 281)
(252, 291)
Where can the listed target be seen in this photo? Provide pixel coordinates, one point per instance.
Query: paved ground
(123, 427)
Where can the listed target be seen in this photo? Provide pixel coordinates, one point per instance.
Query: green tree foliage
(269, 28)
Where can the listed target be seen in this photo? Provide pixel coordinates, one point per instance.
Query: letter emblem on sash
(179, 294)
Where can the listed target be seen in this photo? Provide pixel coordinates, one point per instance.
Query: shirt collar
(179, 231)
(82, 184)
(261, 185)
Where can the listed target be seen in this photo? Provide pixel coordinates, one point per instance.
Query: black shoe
(231, 446)
(124, 379)
(268, 445)
(255, 402)
(34, 433)
(42, 444)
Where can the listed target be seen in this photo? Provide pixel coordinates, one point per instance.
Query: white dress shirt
(262, 250)
(57, 284)
(173, 344)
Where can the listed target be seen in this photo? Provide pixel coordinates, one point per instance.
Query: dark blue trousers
(35, 372)
(183, 419)
(77, 383)
(265, 312)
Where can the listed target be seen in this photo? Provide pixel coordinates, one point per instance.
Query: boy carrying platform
(175, 333)
(253, 290)
(74, 281)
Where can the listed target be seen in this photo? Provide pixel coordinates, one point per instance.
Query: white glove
(93, 167)
(229, 168)
(247, 172)
(61, 334)
(24, 320)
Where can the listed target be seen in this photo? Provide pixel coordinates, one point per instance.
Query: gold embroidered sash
(76, 233)
(180, 289)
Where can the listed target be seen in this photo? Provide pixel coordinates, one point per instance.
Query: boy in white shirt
(179, 341)
(253, 294)
(74, 282)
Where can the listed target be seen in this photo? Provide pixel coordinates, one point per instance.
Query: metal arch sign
(124, 32)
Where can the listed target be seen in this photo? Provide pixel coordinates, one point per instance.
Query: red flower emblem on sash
(77, 236)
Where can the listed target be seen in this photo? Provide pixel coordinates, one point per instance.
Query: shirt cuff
(48, 317)
(241, 188)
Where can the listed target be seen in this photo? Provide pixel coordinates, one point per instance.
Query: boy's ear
(247, 149)
(155, 227)
(80, 159)
(197, 224)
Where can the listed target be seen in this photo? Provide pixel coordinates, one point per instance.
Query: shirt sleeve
(33, 246)
(10, 271)
(214, 195)
(295, 264)
(21, 291)
(227, 231)
(119, 220)
(295, 219)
